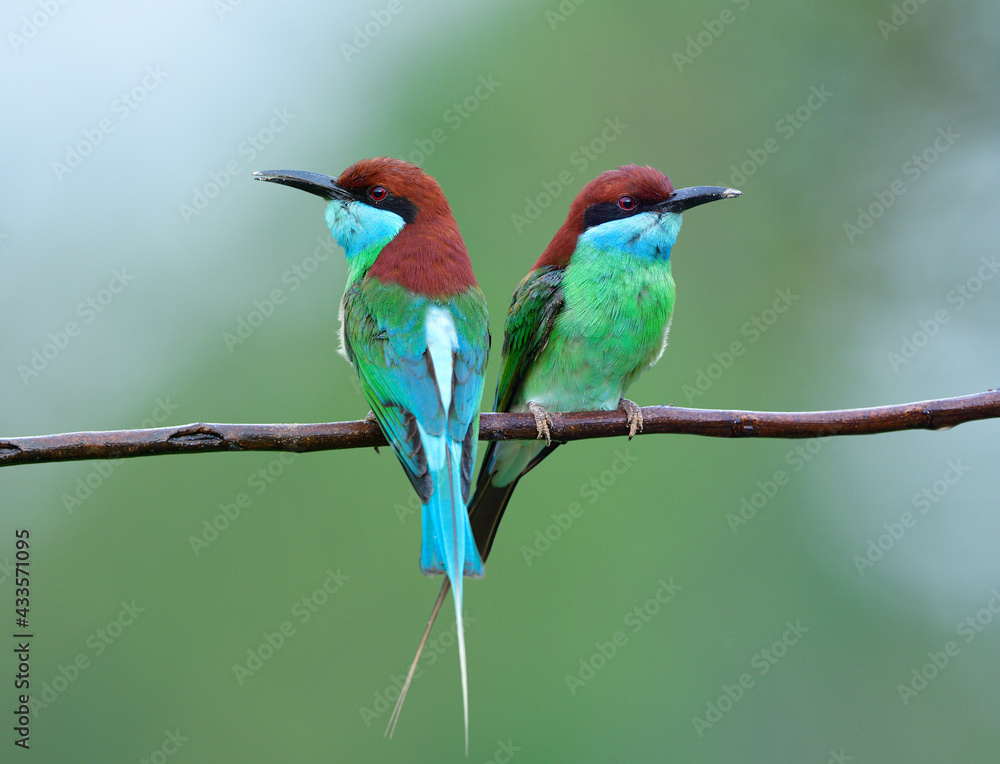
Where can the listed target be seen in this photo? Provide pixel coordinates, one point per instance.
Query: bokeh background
(130, 132)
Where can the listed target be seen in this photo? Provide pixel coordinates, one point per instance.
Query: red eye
(377, 193)
(627, 203)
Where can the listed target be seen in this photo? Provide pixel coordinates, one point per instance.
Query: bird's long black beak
(686, 198)
(313, 182)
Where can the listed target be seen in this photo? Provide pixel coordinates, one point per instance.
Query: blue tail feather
(448, 545)
(445, 522)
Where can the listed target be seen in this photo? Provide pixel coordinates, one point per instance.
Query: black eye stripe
(603, 212)
(400, 205)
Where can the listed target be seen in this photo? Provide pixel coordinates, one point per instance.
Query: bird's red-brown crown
(644, 184)
(399, 178)
(428, 256)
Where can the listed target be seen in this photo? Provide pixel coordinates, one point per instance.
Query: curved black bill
(686, 198)
(313, 182)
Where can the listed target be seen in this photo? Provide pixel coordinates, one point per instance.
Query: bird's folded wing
(534, 307)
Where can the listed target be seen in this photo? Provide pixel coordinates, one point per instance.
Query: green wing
(534, 307)
(384, 343)
(385, 340)
(533, 310)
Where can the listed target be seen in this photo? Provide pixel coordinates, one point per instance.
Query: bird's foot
(370, 417)
(543, 421)
(633, 416)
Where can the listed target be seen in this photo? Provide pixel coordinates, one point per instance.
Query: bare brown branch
(118, 444)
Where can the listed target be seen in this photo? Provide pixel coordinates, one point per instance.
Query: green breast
(613, 326)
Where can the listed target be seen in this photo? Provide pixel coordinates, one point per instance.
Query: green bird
(586, 321)
(414, 326)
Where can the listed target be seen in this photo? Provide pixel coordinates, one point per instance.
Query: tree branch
(118, 444)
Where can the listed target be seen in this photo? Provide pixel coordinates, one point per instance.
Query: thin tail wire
(485, 510)
(391, 727)
(457, 596)
(459, 519)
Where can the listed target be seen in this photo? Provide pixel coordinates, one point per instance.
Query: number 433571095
(21, 576)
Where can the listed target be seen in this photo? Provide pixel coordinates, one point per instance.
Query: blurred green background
(156, 243)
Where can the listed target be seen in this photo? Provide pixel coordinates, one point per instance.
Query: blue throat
(648, 235)
(358, 227)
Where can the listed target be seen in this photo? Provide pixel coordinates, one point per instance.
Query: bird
(589, 317)
(415, 327)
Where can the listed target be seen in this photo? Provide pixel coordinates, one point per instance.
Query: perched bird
(415, 326)
(585, 322)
